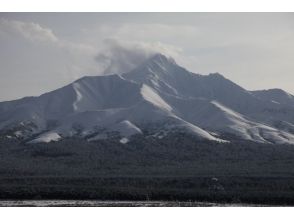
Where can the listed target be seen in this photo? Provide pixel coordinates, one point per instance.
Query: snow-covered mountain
(156, 98)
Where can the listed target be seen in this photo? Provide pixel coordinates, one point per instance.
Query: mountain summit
(156, 98)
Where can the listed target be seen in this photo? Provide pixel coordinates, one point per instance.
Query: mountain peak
(216, 75)
(158, 62)
(156, 67)
(279, 91)
(163, 59)
(159, 70)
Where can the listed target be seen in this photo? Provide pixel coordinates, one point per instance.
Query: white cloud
(29, 30)
(119, 56)
(34, 32)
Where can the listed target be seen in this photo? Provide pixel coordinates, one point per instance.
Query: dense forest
(176, 167)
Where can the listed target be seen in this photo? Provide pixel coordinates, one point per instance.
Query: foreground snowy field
(97, 203)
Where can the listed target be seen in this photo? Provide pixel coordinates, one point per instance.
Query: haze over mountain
(155, 98)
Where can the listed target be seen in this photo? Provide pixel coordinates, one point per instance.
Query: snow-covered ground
(101, 203)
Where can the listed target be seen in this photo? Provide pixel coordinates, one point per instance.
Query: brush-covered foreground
(177, 167)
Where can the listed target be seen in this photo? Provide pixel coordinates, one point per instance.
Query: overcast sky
(40, 52)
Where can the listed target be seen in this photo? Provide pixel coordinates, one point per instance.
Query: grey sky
(40, 52)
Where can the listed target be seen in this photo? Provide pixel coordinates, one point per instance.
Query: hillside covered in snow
(156, 98)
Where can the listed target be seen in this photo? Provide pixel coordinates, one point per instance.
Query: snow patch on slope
(76, 87)
(46, 138)
(124, 140)
(126, 128)
(227, 110)
(151, 96)
(198, 131)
